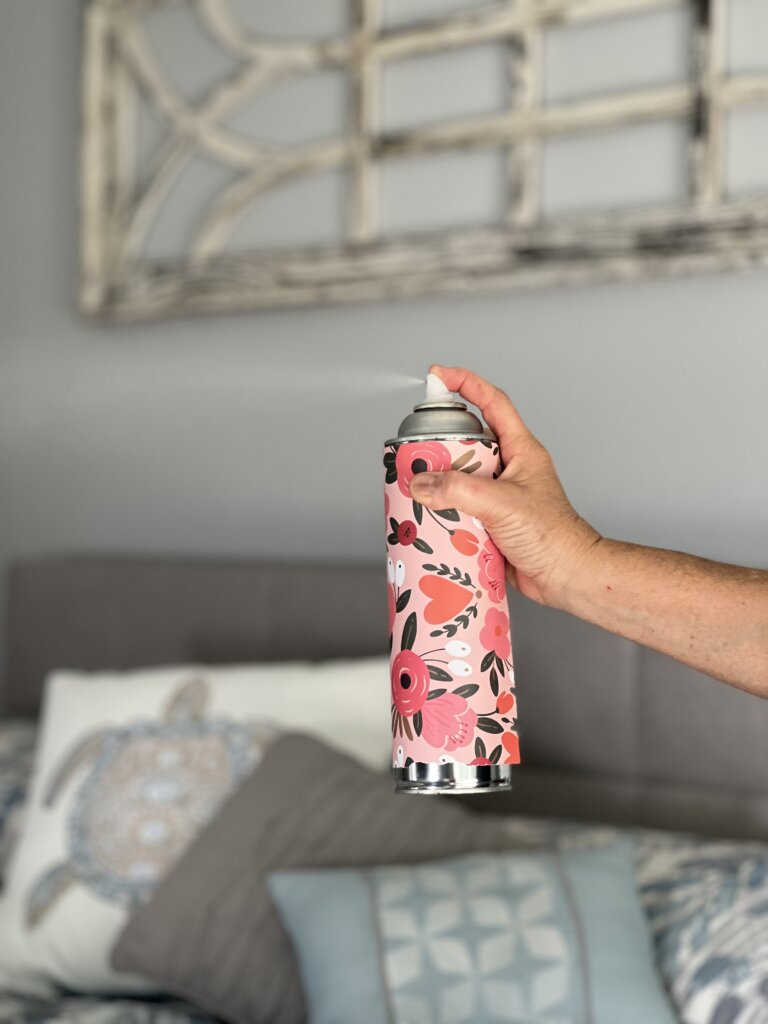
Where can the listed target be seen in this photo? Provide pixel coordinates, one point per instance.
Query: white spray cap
(436, 390)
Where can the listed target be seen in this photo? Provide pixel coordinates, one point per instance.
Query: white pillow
(129, 767)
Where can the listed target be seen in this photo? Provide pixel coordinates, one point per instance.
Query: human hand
(525, 510)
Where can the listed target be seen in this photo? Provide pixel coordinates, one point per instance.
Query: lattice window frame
(708, 232)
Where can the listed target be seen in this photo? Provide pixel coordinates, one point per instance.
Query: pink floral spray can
(453, 698)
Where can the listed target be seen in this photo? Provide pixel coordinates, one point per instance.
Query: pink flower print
(494, 636)
(410, 683)
(491, 571)
(420, 457)
(448, 722)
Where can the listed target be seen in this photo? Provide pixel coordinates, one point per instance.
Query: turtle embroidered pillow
(129, 767)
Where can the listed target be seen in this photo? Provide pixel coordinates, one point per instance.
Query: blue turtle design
(150, 787)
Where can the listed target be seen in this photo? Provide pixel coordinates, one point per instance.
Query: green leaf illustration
(439, 674)
(489, 724)
(418, 512)
(495, 754)
(417, 723)
(435, 693)
(480, 748)
(402, 601)
(467, 690)
(448, 513)
(494, 682)
(409, 632)
(487, 661)
(422, 546)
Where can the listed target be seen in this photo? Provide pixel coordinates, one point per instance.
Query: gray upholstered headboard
(609, 731)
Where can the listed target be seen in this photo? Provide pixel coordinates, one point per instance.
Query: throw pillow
(211, 934)
(530, 937)
(129, 768)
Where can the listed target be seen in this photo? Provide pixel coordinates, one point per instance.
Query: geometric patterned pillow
(706, 901)
(523, 936)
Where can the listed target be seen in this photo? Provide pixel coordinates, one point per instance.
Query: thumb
(475, 495)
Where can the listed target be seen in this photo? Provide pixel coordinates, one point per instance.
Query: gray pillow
(210, 931)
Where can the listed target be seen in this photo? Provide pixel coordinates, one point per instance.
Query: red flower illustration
(406, 532)
(481, 760)
(449, 722)
(410, 683)
(512, 747)
(420, 457)
(491, 566)
(494, 636)
(464, 542)
(505, 703)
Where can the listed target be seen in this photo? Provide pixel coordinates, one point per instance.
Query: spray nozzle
(436, 389)
(438, 394)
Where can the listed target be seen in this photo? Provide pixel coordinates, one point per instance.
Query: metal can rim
(440, 437)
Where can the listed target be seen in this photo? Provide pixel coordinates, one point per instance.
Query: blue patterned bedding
(84, 1010)
(706, 903)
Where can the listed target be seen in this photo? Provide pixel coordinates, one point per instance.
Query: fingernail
(424, 484)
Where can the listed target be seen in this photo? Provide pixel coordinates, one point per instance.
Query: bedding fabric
(92, 1010)
(211, 933)
(706, 902)
(486, 938)
(130, 766)
(17, 746)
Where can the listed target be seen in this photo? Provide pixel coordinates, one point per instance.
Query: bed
(612, 734)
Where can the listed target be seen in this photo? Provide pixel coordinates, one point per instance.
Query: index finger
(497, 409)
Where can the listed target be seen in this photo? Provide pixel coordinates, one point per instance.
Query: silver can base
(454, 777)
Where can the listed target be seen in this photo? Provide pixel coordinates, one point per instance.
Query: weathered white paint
(707, 233)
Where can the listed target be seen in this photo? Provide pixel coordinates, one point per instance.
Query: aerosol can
(453, 698)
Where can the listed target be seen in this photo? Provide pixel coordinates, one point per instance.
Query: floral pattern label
(453, 693)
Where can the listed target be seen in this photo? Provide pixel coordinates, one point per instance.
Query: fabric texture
(483, 939)
(17, 747)
(68, 1009)
(211, 932)
(129, 768)
(706, 902)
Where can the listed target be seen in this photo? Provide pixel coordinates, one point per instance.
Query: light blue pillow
(526, 937)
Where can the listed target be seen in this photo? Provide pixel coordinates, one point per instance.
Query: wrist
(580, 570)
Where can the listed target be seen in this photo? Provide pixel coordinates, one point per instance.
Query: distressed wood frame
(707, 232)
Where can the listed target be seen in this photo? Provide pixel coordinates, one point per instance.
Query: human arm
(706, 614)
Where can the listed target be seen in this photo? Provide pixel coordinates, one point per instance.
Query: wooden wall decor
(708, 231)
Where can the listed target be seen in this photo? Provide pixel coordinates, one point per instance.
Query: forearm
(711, 616)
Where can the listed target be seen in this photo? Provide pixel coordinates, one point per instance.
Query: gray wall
(260, 435)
